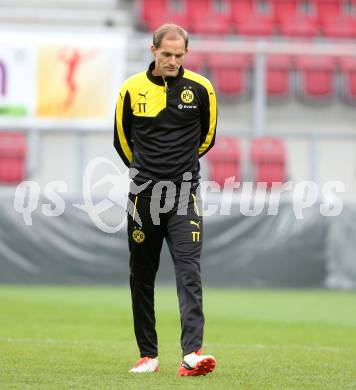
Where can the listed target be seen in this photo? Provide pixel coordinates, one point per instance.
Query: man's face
(169, 56)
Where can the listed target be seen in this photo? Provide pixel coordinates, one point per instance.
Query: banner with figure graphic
(60, 78)
(75, 82)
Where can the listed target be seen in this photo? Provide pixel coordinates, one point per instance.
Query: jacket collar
(159, 79)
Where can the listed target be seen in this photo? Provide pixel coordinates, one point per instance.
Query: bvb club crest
(138, 236)
(187, 96)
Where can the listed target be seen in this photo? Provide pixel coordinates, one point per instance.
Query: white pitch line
(210, 345)
(54, 341)
(280, 346)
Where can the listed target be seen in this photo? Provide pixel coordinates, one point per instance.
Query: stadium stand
(327, 10)
(211, 25)
(195, 62)
(311, 78)
(255, 25)
(348, 72)
(322, 20)
(340, 27)
(150, 10)
(281, 18)
(316, 74)
(284, 10)
(300, 25)
(268, 158)
(225, 160)
(277, 78)
(195, 9)
(12, 157)
(154, 13)
(239, 10)
(229, 73)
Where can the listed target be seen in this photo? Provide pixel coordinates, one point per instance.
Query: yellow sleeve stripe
(135, 207)
(120, 130)
(212, 107)
(196, 205)
(212, 124)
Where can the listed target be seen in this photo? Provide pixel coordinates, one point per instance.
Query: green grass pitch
(82, 338)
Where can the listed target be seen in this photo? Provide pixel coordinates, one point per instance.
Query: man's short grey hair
(161, 31)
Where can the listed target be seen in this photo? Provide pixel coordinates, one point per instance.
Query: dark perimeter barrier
(238, 250)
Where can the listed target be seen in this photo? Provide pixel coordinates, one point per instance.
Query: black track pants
(184, 234)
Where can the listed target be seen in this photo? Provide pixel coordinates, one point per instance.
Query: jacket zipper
(166, 89)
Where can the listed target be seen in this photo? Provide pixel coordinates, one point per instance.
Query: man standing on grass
(165, 121)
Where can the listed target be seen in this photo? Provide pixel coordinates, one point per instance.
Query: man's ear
(153, 50)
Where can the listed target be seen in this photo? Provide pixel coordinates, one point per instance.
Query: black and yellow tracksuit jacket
(163, 126)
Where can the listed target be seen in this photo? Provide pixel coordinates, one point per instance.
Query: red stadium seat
(211, 24)
(12, 157)
(316, 75)
(180, 19)
(341, 27)
(348, 70)
(152, 10)
(195, 62)
(268, 157)
(206, 18)
(284, 10)
(229, 73)
(327, 10)
(255, 25)
(224, 160)
(156, 12)
(241, 9)
(302, 25)
(277, 76)
(197, 9)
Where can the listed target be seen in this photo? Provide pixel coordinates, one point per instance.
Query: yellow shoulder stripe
(147, 98)
(119, 122)
(212, 105)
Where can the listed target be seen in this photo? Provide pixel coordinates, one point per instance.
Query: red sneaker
(146, 364)
(195, 364)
